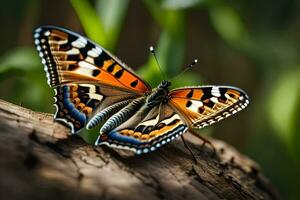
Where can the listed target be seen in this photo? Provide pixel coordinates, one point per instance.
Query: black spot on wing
(159, 126)
(74, 57)
(96, 72)
(134, 83)
(73, 67)
(222, 90)
(83, 89)
(140, 128)
(201, 109)
(209, 103)
(232, 95)
(55, 38)
(148, 129)
(119, 73)
(110, 69)
(101, 58)
(173, 122)
(67, 46)
(71, 38)
(206, 93)
(190, 94)
(222, 98)
(188, 103)
(85, 49)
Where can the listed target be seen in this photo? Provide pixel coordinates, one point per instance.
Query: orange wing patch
(71, 58)
(187, 93)
(160, 130)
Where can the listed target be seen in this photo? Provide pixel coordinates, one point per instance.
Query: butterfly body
(93, 87)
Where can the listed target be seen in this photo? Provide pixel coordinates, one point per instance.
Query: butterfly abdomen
(123, 115)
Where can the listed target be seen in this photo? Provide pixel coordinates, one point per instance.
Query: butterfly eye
(165, 83)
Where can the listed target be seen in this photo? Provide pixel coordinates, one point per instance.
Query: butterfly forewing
(203, 106)
(85, 76)
(69, 57)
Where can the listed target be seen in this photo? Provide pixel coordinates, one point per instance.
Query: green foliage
(103, 24)
(21, 80)
(284, 109)
(20, 58)
(179, 4)
(229, 24)
(112, 14)
(170, 48)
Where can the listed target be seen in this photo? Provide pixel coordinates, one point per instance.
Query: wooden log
(39, 159)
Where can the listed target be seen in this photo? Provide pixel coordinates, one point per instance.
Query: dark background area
(253, 45)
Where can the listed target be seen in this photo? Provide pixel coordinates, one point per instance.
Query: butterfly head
(160, 94)
(164, 85)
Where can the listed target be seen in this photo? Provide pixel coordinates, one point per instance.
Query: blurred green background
(253, 45)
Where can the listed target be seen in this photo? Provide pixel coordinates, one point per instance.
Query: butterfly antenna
(186, 69)
(152, 50)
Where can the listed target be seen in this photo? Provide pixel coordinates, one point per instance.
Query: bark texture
(40, 160)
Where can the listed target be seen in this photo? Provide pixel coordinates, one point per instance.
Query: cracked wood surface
(40, 160)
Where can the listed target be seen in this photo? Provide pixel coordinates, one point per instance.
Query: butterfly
(93, 87)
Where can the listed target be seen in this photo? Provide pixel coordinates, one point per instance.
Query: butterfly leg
(189, 149)
(205, 141)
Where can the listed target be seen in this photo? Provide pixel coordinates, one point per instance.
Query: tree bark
(39, 159)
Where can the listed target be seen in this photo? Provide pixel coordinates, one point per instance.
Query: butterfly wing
(203, 106)
(69, 57)
(76, 103)
(146, 131)
(194, 107)
(85, 76)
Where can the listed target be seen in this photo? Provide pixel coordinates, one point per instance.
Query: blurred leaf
(228, 24)
(20, 72)
(171, 20)
(150, 72)
(295, 130)
(21, 58)
(103, 23)
(186, 79)
(88, 17)
(112, 23)
(40, 96)
(283, 106)
(171, 45)
(180, 4)
(170, 53)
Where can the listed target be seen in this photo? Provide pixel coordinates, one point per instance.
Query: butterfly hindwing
(203, 106)
(145, 132)
(69, 57)
(77, 103)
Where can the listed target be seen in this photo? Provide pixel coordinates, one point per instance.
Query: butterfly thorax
(160, 94)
